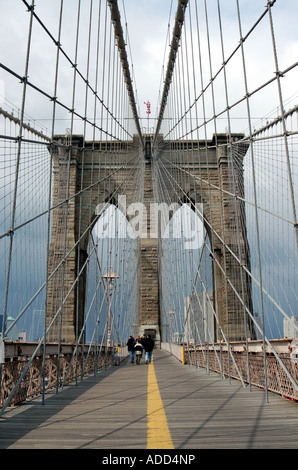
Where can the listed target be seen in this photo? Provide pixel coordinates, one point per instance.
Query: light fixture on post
(110, 286)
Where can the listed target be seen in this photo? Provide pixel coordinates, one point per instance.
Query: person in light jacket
(139, 351)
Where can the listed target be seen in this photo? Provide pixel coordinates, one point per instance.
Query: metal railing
(58, 370)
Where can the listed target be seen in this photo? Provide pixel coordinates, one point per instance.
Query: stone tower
(80, 178)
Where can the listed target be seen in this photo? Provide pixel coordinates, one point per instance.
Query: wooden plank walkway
(110, 412)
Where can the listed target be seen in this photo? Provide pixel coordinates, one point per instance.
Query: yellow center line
(158, 433)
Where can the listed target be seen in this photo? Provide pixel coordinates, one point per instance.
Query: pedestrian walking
(139, 351)
(131, 348)
(149, 349)
(143, 340)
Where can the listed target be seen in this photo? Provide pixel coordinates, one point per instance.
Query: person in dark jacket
(143, 340)
(130, 346)
(149, 346)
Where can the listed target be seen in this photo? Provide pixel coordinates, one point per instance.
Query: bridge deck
(115, 411)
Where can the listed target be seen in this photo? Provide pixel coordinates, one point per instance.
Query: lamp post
(110, 285)
(171, 314)
(135, 329)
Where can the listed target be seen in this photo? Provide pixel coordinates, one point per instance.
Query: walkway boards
(110, 411)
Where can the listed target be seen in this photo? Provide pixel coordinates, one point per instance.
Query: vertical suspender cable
(255, 197)
(50, 201)
(19, 140)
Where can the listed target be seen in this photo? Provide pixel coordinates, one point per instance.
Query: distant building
(22, 336)
(289, 329)
(199, 318)
(176, 338)
(13, 333)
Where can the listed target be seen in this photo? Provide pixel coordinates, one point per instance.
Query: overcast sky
(147, 22)
(148, 30)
